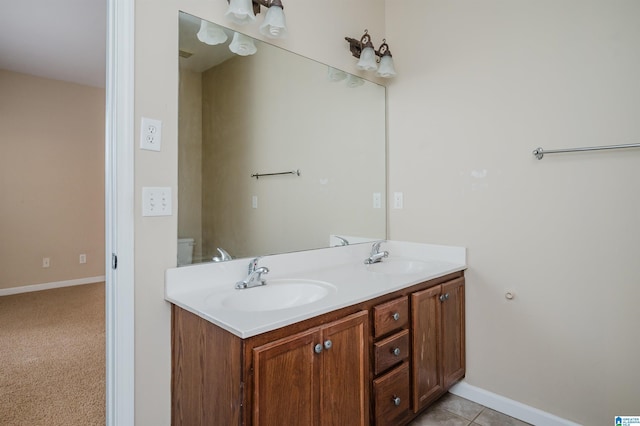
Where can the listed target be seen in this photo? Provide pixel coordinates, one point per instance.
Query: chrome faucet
(376, 255)
(224, 256)
(343, 241)
(255, 276)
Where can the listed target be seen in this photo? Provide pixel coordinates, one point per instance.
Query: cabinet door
(286, 381)
(426, 328)
(453, 338)
(345, 372)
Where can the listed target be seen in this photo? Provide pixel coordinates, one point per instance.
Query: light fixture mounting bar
(265, 3)
(356, 46)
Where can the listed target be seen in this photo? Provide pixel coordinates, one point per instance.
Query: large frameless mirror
(277, 152)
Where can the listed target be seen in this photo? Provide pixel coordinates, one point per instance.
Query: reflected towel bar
(294, 172)
(539, 153)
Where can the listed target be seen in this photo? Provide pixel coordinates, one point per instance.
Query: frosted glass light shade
(334, 74)
(240, 12)
(274, 24)
(367, 60)
(211, 33)
(386, 68)
(242, 45)
(354, 81)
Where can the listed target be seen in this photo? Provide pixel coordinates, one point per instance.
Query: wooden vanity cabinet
(378, 362)
(316, 377)
(311, 373)
(391, 384)
(438, 339)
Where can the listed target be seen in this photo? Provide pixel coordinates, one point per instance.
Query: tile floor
(451, 410)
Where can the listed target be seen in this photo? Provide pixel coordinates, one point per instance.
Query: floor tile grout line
(463, 418)
(478, 415)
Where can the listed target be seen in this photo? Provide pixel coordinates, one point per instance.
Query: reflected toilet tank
(185, 251)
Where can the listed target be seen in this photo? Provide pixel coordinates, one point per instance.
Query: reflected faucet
(224, 256)
(255, 276)
(343, 241)
(376, 255)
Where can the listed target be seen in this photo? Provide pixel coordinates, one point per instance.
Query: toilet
(185, 251)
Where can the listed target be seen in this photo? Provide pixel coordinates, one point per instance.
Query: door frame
(119, 214)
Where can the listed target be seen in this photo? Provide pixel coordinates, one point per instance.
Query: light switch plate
(398, 200)
(150, 134)
(377, 200)
(156, 201)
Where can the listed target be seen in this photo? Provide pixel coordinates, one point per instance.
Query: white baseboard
(49, 286)
(508, 406)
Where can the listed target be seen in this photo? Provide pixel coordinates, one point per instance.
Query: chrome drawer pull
(396, 316)
(396, 351)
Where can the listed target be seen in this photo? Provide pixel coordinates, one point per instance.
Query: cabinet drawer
(390, 316)
(391, 396)
(391, 351)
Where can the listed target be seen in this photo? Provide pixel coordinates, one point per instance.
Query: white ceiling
(62, 39)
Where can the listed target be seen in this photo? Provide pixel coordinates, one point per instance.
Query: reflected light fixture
(368, 56)
(354, 81)
(334, 74)
(211, 33)
(243, 12)
(242, 45)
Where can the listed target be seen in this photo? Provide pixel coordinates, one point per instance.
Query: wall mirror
(269, 112)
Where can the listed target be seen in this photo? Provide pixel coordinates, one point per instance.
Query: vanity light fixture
(243, 12)
(368, 57)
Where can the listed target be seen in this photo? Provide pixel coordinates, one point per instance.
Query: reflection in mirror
(273, 112)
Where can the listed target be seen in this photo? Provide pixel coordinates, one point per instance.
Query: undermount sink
(398, 266)
(275, 295)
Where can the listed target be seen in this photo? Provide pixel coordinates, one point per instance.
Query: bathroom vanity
(377, 347)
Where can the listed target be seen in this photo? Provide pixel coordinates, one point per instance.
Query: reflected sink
(276, 294)
(398, 266)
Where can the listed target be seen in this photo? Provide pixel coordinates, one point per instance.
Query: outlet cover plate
(150, 134)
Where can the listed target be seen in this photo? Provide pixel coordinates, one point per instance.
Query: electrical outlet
(156, 201)
(150, 134)
(254, 202)
(46, 262)
(83, 258)
(398, 201)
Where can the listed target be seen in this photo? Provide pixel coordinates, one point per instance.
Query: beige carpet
(52, 357)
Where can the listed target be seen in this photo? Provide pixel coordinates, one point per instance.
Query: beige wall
(480, 85)
(51, 180)
(190, 159)
(315, 31)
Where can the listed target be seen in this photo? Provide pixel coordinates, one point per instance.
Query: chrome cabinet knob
(328, 344)
(444, 297)
(317, 348)
(396, 400)
(395, 316)
(396, 351)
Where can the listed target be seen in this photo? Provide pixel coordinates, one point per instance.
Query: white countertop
(197, 288)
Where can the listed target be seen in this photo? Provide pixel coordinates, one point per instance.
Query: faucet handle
(253, 265)
(375, 249)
